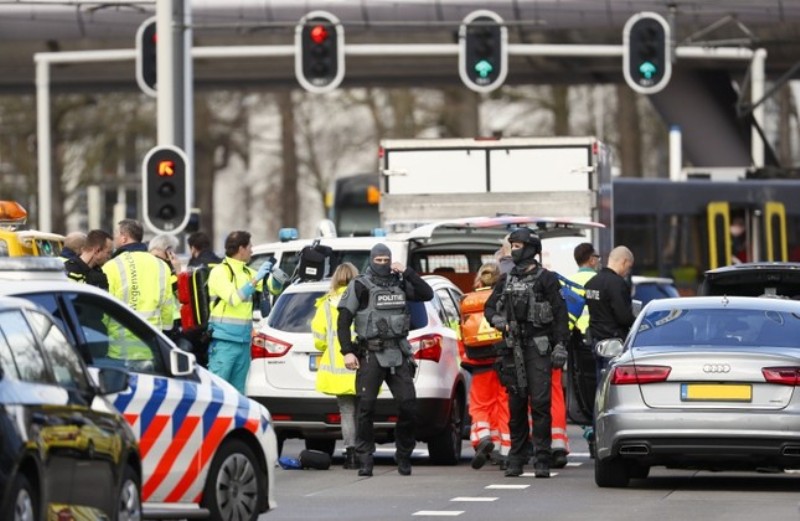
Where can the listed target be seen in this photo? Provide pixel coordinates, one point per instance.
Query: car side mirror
(112, 380)
(610, 348)
(181, 363)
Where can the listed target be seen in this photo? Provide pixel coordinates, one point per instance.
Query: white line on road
(579, 454)
(574, 464)
(507, 487)
(475, 499)
(442, 513)
(532, 474)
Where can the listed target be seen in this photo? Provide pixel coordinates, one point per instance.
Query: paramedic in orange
(488, 401)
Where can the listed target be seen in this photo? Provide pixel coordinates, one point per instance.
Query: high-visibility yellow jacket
(230, 291)
(142, 281)
(582, 276)
(332, 376)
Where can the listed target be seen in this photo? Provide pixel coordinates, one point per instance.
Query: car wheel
(445, 447)
(234, 488)
(22, 503)
(611, 472)
(327, 446)
(129, 503)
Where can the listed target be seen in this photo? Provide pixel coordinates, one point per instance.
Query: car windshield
(359, 258)
(293, 312)
(647, 292)
(719, 327)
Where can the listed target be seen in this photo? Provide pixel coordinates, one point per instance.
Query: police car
(205, 448)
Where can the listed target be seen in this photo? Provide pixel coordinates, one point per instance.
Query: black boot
(482, 451)
(404, 465)
(366, 463)
(514, 469)
(541, 469)
(350, 460)
(558, 460)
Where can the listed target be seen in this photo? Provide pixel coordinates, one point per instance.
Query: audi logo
(716, 368)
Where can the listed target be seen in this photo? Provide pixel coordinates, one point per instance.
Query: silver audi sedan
(701, 383)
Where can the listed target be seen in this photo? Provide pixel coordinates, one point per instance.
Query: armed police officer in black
(528, 308)
(376, 300)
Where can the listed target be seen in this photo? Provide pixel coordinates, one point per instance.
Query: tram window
(637, 232)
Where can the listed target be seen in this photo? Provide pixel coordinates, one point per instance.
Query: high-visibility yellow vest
(142, 281)
(581, 277)
(231, 304)
(332, 376)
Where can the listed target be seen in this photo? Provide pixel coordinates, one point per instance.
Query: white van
(454, 248)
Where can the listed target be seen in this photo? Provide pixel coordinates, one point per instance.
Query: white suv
(284, 362)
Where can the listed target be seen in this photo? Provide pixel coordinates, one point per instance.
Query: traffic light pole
(44, 60)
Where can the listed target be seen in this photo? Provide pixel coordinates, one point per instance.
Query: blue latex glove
(264, 270)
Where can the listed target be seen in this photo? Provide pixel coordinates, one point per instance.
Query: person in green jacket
(332, 376)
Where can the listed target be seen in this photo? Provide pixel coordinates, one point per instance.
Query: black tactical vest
(525, 301)
(385, 317)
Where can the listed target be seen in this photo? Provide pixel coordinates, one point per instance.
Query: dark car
(66, 452)
(754, 279)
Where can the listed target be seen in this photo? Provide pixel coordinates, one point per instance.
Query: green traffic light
(483, 68)
(648, 70)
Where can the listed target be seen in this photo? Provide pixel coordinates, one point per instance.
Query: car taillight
(782, 375)
(427, 347)
(265, 346)
(639, 374)
(333, 418)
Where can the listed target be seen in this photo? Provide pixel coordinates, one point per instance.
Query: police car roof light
(287, 234)
(378, 232)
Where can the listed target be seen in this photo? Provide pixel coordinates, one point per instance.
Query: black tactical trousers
(369, 378)
(538, 368)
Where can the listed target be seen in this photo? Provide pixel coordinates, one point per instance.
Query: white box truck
(561, 178)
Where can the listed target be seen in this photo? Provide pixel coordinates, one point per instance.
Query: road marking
(441, 513)
(507, 487)
(580, 454)
(533, 474)
(574, 464)
(475, 499)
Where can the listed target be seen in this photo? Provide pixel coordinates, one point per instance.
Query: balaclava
(380, 250)
(532, 246)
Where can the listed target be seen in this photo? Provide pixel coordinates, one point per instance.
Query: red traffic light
(319, 34)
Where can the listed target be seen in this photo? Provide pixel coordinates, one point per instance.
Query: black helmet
(526, 236)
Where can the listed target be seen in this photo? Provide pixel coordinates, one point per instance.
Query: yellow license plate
(717, 392)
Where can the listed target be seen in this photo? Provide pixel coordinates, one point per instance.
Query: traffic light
(319, 52)
(482, 51)
(647, 56)
(165, 189)
(146, 56)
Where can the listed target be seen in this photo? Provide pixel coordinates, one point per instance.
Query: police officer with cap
(528, 308)
(376, 301)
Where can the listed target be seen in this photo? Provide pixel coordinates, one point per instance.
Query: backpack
(194, 300)
(314, 262)
(574, 300)
(195, 309)
(477, 334)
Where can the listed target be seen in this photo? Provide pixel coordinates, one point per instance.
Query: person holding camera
(376, 302)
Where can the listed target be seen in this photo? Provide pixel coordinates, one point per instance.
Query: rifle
(513, 342)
